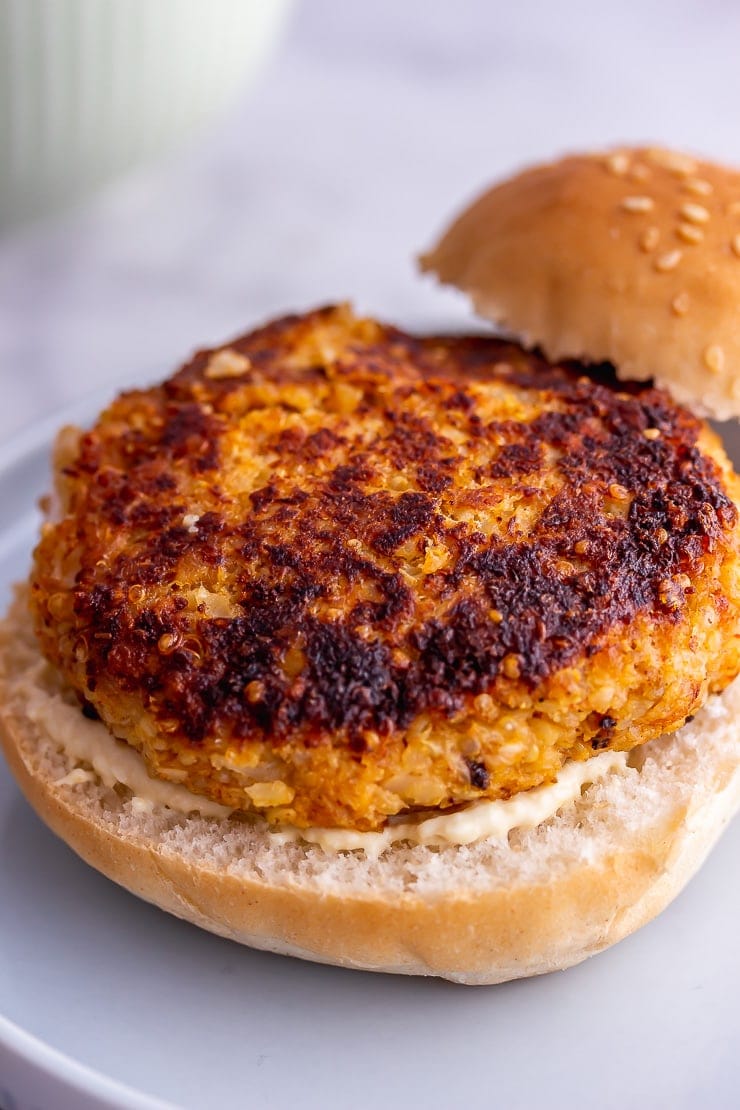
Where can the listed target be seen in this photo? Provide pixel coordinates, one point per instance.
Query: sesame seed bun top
(630, 256)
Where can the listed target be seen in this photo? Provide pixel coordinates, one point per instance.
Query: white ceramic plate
(107, 1002)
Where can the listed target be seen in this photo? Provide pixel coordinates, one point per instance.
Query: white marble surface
(373, 123)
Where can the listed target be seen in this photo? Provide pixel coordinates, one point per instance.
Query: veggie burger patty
(332, 572)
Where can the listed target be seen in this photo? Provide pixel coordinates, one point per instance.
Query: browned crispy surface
(333, 572)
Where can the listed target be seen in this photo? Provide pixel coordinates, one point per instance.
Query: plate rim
(56, 1065)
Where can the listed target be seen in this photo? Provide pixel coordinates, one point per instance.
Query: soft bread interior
(542, 899)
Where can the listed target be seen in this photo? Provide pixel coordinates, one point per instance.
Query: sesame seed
(668, 261)
(679, 164)
(618, 163)
(652, 433)
(735, 244)
(690, 233)
(714, 358)
(617, 492)
(650, 239)
(639, 172)
(581, 547)
(661, 536)
(694, 213)
(698, 186)
(638, 204)
(680, 304)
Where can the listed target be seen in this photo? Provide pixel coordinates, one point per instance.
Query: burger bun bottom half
(541, 900)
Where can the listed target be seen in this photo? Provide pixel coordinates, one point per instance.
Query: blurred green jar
(89, 88)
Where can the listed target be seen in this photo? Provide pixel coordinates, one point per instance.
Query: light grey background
(375, 123)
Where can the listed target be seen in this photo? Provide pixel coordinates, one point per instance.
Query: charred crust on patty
(380, 528)
(479, 777)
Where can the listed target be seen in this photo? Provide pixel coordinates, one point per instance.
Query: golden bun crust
(630, 257)
(482, 914)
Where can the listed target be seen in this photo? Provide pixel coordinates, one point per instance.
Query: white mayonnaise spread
(476, 820)
(86, 741)
(114, 762)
